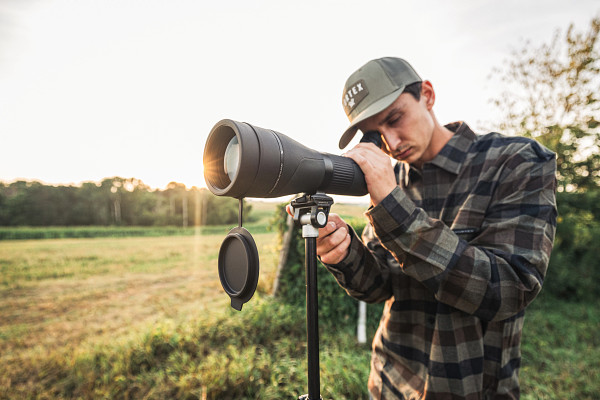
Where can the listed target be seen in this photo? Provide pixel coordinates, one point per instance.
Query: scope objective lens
(231, 159)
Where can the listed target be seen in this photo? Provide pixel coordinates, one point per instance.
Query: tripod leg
(312, 318)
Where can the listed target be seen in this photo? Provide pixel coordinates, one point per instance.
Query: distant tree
(141, 203)
(110, 199)
(552, 94)
(33, 204)
(4, 214)
(90, 206)
(178, 203)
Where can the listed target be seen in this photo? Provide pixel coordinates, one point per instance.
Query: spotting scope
(243, 160)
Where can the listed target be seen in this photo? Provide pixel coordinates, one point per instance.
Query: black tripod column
(311, 212)
(310, 234)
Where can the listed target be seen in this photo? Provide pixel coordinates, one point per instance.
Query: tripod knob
(321, 219)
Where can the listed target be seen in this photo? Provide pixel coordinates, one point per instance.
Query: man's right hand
(334, 239)
(333, 243)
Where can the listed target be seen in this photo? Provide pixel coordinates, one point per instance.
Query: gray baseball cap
(372, 88)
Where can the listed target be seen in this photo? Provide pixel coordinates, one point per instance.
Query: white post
(361, 330)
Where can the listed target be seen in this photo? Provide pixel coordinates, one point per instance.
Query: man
(458, 241)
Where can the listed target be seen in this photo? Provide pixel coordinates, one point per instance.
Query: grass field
(145, 317)
(59, 295)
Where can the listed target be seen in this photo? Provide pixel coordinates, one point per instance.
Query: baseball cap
(372, 88)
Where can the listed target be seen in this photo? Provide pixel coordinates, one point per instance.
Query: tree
(552, 94)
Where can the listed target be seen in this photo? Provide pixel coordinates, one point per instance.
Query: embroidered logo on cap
(354, 95)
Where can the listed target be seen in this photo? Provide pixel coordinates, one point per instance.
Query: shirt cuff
(394, 213)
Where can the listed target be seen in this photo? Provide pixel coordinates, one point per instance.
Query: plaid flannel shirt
(457, 251)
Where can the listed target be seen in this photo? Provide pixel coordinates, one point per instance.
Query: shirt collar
(452, 156)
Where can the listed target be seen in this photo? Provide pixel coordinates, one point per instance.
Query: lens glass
(232, 158)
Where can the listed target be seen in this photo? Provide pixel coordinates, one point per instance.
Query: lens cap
(238, 266)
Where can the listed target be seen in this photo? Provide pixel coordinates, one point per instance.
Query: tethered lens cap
(238, 266)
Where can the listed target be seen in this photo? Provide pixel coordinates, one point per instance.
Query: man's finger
(338, 253)
(329, 242)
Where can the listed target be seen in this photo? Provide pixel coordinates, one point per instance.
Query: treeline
(113, 202)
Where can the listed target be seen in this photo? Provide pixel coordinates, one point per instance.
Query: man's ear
(428, 94)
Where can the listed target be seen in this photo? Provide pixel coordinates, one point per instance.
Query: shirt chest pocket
(466, 234)
(466, 221)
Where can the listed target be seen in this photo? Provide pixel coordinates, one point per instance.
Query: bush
(574, 270)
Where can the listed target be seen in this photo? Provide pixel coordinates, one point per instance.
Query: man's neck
(440, 136)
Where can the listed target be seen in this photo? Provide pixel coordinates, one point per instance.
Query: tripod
(312, 212)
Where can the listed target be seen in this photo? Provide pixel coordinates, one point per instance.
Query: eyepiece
(372, 137)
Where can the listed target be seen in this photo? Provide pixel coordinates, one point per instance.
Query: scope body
(242, 160)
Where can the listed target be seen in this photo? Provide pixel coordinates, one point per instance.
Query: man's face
(406, 127)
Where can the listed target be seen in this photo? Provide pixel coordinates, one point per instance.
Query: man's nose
(392, 141)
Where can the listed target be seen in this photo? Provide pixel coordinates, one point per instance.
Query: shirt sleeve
(364, 272)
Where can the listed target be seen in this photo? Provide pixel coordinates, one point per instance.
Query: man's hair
(414, 89)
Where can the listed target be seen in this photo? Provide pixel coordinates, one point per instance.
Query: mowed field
(61, 292)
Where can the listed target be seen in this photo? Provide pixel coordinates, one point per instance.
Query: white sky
(99, 88)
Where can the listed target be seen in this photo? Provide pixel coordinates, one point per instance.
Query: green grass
(145, 317)
(561, 350)
(62, 232)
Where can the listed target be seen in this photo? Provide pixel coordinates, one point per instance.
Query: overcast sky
(94, 89)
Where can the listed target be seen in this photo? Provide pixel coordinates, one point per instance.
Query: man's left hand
(378, 170)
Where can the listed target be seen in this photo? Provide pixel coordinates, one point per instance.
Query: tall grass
(256, 354)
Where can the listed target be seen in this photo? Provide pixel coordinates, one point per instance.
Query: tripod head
(312, 212)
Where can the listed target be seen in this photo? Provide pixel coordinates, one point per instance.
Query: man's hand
(334, 239)
(378, 170)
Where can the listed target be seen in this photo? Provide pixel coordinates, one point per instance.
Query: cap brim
(368, 112)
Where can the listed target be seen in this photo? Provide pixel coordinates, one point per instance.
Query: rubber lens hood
(239, 266)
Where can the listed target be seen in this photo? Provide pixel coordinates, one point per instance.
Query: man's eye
(395, 119)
